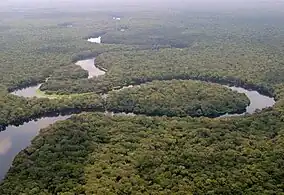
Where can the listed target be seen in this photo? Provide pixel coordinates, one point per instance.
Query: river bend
(14, 139)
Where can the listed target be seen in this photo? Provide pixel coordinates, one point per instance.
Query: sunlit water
(95, 40)
(89, 65)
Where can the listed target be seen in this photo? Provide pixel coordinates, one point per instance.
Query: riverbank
(17, 138)
(260, 97)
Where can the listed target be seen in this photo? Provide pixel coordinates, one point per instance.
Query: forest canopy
(94, 153)
(178, 98)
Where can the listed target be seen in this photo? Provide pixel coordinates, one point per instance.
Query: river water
(28, 92)
(257, 100)
(89, 65)
(14, 139)
(95, 40)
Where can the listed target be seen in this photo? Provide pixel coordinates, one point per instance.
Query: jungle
(151, 123)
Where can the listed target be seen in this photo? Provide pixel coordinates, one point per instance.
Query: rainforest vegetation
(242, 65)
(178, 98)
(92, 153)
(15, 110)
(95, 154)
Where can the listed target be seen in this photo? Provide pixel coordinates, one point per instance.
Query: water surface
(28, 92)
(95, 40)
(89, 65)
(257, 101)
(14, 139)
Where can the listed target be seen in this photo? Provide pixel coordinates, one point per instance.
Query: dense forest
(242, 64)
(95, 154)
(16, 110)
(178, 98)
(162, 51)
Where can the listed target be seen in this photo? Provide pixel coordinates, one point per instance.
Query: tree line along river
(14, 139)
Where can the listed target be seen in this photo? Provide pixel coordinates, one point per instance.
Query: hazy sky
(205, 4)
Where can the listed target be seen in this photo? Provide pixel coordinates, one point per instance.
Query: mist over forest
(205, 5)
(141, 97)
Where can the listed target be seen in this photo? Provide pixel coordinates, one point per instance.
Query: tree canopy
(95, 153)
(178, 98)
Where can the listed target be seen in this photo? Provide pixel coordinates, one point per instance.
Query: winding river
(88, 65)
(257, 100)
(14, 139)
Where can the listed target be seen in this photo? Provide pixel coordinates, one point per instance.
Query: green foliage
(95, 154)
(46, 173)
(98, 154)
(17, 109)
(36, 46)
(69, 72)
(178, 98)
(242, 64)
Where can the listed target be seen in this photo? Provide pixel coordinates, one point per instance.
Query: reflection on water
(28, 92)
(95, 40)
(14, 139)
(257, 101)
(5, 144)
(89, 65)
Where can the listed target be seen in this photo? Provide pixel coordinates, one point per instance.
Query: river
(95, 40)
(14, 139)
(257, 100)
(28, 92)
(89, 65)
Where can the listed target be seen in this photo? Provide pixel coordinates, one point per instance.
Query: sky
(198, 4)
